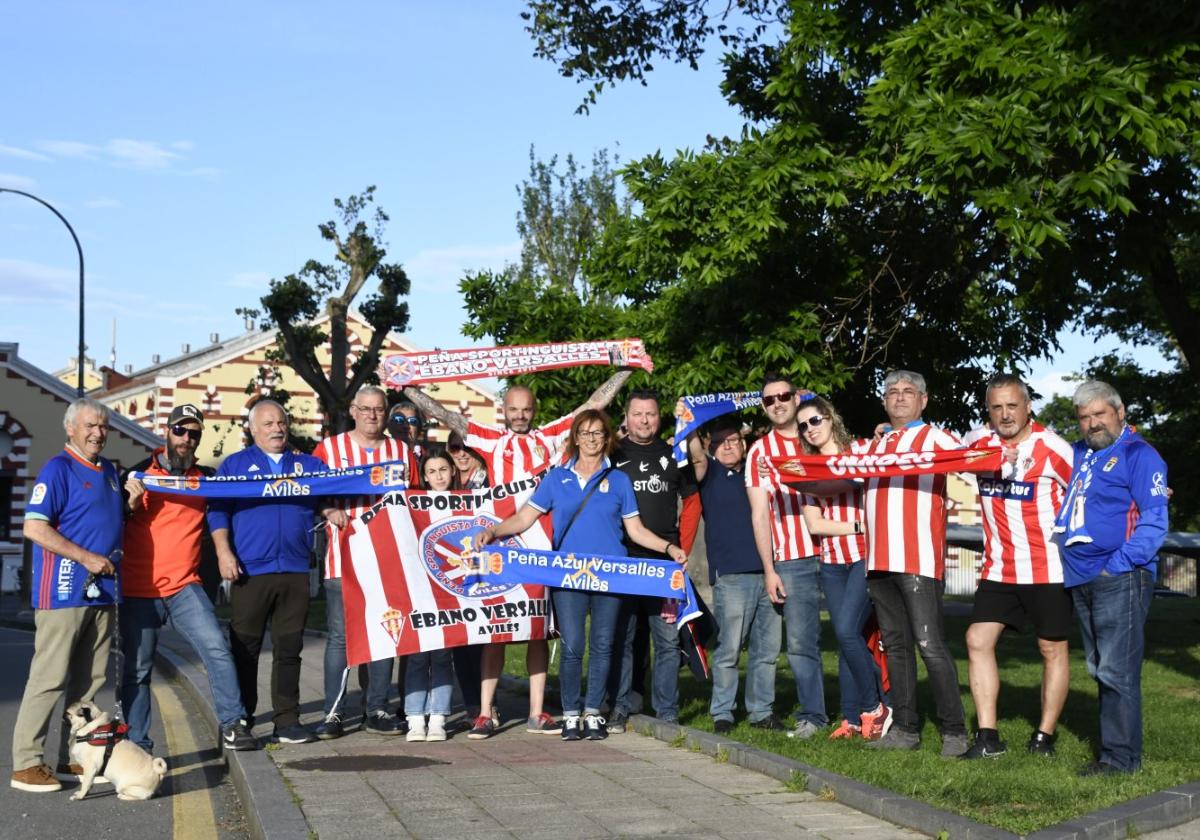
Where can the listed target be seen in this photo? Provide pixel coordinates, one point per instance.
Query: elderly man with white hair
(1112, 524)
(264, 546)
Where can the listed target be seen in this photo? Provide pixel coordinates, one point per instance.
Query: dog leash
(91, 592)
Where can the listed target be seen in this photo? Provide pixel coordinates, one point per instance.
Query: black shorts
(1046, 605)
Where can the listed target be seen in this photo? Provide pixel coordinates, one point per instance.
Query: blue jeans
(379, 672)
(664, 691)
(845, 588)
(802, 634)
(909, 609)
(571, 608)
(428, 683)
(1112, 613)
(743, 611)
(191, 614)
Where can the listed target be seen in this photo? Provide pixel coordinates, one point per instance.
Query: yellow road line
(191, 804)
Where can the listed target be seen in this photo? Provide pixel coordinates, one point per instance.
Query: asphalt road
(195, 802)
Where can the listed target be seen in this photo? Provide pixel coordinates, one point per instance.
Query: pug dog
(133, 772)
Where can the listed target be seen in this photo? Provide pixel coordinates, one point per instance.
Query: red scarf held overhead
(797, 468)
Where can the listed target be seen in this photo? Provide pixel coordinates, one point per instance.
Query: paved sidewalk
(528, 786)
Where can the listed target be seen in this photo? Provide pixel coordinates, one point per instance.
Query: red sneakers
(846, 730)
(875, 724)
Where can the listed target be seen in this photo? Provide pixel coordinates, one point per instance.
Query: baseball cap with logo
(184, 414)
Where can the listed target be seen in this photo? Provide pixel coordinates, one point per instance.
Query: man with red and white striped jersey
(364, 444)
(906, 550)
(514, 451)
(789, 554)
(1022, 578)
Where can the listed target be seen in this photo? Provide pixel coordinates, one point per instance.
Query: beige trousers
(70, 652)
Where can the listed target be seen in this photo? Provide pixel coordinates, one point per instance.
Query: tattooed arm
(432, 408)
(605, 393)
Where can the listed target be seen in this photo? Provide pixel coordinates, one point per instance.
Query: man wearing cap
(74, 517)
(160, 582)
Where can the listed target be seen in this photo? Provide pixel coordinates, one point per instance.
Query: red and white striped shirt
(844, 507)
(789, 534)
(341, 451)
(511, 456)
(906, 515)
(1019, 504)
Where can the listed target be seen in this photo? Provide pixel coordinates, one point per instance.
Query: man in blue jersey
(265, 547)
(1112, 524)
(74, 515)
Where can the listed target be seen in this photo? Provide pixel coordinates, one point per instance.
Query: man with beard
(658, 484)
(1113, 521)
(160, 582)
(1021, 578)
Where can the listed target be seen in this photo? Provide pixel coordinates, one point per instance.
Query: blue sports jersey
(82, 501)
(599, 528)
(1125, 511)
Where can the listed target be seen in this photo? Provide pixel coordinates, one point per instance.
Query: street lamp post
(79, 250)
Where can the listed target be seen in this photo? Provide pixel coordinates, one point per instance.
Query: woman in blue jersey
(593, 507)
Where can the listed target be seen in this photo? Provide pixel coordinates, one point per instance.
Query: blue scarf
(1070, 519)
(368, 480)
(589, 573)
(699, 409)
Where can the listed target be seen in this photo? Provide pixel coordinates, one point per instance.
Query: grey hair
(85, 404)
(372, 389)
(904, 376)
(254, 410)
(1008, 380)
(1093, 390)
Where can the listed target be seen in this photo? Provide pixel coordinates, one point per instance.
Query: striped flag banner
(799, 468)
(406, 579)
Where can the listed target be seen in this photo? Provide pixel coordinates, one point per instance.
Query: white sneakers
(417, 730)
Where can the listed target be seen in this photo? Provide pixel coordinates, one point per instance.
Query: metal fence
(1176, 562)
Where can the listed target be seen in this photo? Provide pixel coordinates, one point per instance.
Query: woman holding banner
(593, 506)
(839, 520)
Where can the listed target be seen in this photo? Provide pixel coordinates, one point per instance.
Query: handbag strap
(558, 542)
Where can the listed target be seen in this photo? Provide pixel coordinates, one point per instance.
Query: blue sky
(195, 147)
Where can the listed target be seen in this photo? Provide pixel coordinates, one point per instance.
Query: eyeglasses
(769, 401)
(412, 421)
(364, 410)
(732, 440)
(598, 433)
(811, 423)
(185, 431)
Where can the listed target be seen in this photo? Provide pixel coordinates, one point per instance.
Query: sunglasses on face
(412, 421)
(185, 431)
(786, 396)
(811, 423)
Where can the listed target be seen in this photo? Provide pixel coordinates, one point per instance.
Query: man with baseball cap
(160, 581)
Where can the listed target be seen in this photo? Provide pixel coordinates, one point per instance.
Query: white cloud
(440, 269)
(249, 280)
(1053, 384)
(23, 154)
(70, 149)
(139, 154)
(16, 182)
(37, 284)
(102, 203)
(183, 145)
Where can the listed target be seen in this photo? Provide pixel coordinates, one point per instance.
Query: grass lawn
(1017, 792)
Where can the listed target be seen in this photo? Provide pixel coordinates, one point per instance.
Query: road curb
(271, 811)
(1156, 811)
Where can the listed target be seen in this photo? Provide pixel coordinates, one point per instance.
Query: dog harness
(107, 736)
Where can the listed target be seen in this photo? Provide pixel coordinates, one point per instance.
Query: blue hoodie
(270, 534)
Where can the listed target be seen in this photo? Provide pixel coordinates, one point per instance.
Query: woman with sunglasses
(472, 472)
(838, 520)
(429, 675)
(593, 506)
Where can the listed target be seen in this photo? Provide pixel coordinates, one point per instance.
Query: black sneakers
(330, 728)
(722, 726)
(1040, 743)
(382, 723)
(987, 745)
(770, 723)
(595, 728)
(296, 734)
(570, 728)
(238, 737)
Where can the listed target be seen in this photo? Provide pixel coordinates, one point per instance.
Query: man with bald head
(264, 546)
(515, 451)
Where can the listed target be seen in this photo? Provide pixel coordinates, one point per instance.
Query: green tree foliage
(935, 185)
(296, 301)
